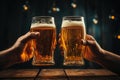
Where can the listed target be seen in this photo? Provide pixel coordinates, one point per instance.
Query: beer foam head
(72, 23)
(41, 25)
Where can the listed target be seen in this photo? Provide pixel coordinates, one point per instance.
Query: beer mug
(43, 46)
(72, 31)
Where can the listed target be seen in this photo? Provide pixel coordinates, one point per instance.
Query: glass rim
(73, 16)
(42, 17)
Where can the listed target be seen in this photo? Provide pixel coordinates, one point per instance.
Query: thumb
(87, 42)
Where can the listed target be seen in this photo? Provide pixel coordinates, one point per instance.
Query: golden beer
(72, 32)
(44, 45)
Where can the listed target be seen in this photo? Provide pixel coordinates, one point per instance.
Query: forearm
(7, 58)
(110, 61)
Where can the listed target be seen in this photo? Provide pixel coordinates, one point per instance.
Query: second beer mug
(72, 31)
(43, 46)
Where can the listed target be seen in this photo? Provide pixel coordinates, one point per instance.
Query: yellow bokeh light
(95, 21)
(73, 5)
(112, 17)
(25, 7)
(118, 36)
(55, 9)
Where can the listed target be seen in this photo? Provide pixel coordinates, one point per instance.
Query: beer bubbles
(72, 31)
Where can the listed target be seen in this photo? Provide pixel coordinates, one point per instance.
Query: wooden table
(58, 74)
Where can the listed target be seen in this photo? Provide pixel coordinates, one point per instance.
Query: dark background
(15, 21)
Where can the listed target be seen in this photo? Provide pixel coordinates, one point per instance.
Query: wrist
(100, 57)
(14, 55)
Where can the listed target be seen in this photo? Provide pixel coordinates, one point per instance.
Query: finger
(61, 47)
(85, 52)
(62, 53)
(29, 35)
(89, 37)
(87, 42)
(59, 41)
(59, 35)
